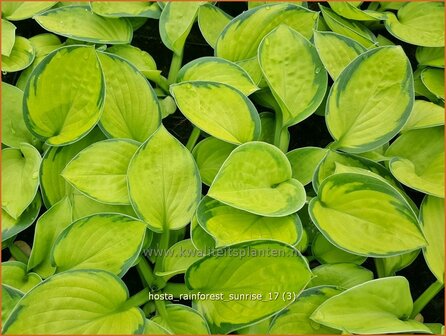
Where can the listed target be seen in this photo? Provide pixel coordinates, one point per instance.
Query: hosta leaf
(100, 170)
(14, 274)
(433, 79)
(126, 9)
(304, 162)
(419, 23)
(215, 69)
(267, 121)
(80, 23)
(212, 20)
(285, 55)
(432, 218)
(256, 177)
(21, 56)
(430, 56)
(342, 275)
(336, 51)
(10, 297)
(164, 182)
(209, 155)
(199, 237)
(327, 253)
(95, 298)
(48, 228)
(20, 178)
(218, 109)
(11, 226)
(352, 12)
(253, 4)
(387, 299)
(53, 185)
(255, 269)
(8, 37)
(181, 319)
(131, 109)
(117, 242)
(351, 199)
(296, 318)
(419, 160)
(390, 265)
(153, 328)
(76, 106)
(351, 29)
(371, 100)
(424, 114)
(230, 225)
(21, 10)
(242, 36)
(175, 23)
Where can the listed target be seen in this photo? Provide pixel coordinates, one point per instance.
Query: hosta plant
(213, 167)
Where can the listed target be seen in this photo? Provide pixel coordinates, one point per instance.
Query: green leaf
(352, 199)
(215, 69)
(80, 23)
(175, 23)
(53, 185)
(336, 51)
(178, 258)
(388, 300)
(20, 178)
(117, 243)
(296, 318)
(285, 55)
(267, 121)
(14, 274)
(126, 9)
(212, 20)
(11, 226)
(21, 10)
(419, 23)
(371, 100)
(390, 265)
(304, 162)
(327, 253)
(100, 170)
(199, 237)
(8, 37)
(153, 328)
(424, 115)
(433, 79)
(342, 275)
(21, 56)
(181, 319)
(76, 106)
(432, 218)
(250, 266)
(253, 4)
(95, 298)
(349, 10)
(218, 109)
(253, 25)
(230, 225)
(351, 29)
(209, 154)
(418, 160)
(48, 228)
(256, 177)
(131, 109)
(10, 297)
(430, 56)
(164, 182)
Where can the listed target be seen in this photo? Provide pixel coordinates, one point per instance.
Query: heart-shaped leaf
(118, 241)
(95, 298)
(14, 274)
(21, 56)
(390, 265)
(126, 9)
(433, 79)
(285, 55)
(164, 182)
(256, 177)
(371, 100)
(179, 319)
(388, 299)
(21, 10)
(304, 162)
(8, 37)
(352, 199)
(76, 106)
(212, 20)
(341, 275)
(424, 114)
(218, 109)
(100, 170)
(230, 225)
(234, 270)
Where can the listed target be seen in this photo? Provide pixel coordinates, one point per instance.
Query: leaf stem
(163, 83)
(280, 136)
(137, 300)
(18, 254)
(176, 289)
(380, 270)
(426, 297)
(193, 138)
(146, 271)
(160, 306)
(175, 66)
